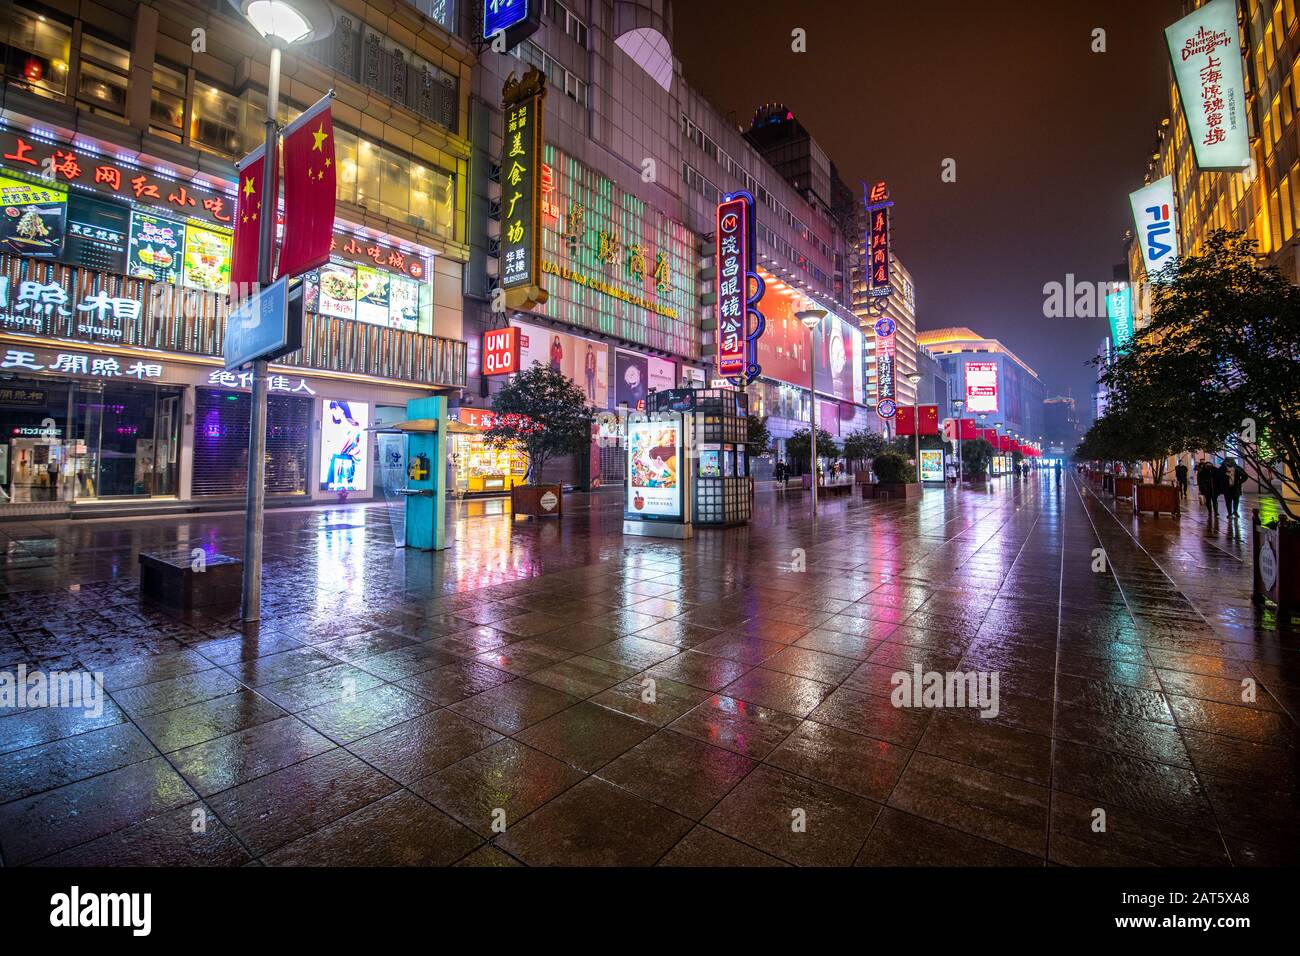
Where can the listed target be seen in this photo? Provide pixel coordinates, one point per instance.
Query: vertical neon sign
(740, 323)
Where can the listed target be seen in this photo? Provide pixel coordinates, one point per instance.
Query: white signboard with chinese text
(1205, 49)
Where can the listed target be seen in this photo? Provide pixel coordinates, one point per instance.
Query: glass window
(345, 154)
(368, 175)
(36, 56)
(433, 200)
(167, 101)
(216, 120)
(394, 184)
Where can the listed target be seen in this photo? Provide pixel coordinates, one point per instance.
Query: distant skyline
(1048, 137)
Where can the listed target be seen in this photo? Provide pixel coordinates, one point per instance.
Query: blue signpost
(265, 326)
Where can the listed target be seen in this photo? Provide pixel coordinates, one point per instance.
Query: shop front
(480, 468)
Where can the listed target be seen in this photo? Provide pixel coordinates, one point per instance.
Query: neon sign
(740, 324)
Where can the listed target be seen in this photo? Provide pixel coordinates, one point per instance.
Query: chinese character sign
(877, 252)
(886, 397)
(740, 324)
(1157, 226)
(982, 387)
(521, 205)
(1206, 52)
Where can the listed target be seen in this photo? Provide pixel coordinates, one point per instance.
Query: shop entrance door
(391, 478)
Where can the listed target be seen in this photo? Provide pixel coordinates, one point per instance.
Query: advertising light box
(931, 464)
(981, 387)
(31, 218)
(343, 455)
(1157, 225)
(654, 480)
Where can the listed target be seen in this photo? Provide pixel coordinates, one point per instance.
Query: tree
(1224, 336)
(976, 456)
(797, 446)
(892, 468)
(862, 445)
(543, 412)
(760, 439)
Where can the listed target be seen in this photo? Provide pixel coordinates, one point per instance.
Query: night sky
(1049, 139)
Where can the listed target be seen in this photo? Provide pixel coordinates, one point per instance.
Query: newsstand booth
(687, 463)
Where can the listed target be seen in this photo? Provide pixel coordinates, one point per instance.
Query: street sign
(266, 326)
(517, 19)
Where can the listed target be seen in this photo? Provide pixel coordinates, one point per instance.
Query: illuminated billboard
(981, 387)
(1205, 50)
(654, 480)
(343, 455)
(1155, 217)
(1119, 309)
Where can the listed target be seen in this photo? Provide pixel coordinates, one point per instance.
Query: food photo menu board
(157, 248)
(31, 218)
(207, 260)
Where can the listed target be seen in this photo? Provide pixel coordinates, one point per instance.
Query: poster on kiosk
(656, 482)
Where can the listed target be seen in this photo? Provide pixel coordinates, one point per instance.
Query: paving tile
(369, 711)
(397, 830)
(901, 839)
(236, 758)
(416, 748)
(511, 707)
(685, 775)
(795, 819)
(507, 777)
(585, 735)
(862, 765)
(705, 847)
(595, 824)
(736, 725)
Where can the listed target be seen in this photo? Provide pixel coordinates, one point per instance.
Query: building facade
(636, 161)
(997, 387)
(1061, 428)
(120, 125)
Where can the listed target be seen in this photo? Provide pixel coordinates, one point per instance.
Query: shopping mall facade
(120, 124)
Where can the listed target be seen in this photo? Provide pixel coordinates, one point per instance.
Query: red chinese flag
(1004, 443)
(968, 429)
(1015, 445)
(309, 190)
(248, 220)
(990, 435)
(927, 421)
(905, 421)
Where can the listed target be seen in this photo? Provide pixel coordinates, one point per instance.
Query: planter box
(1156, 498)
(1276, 571)
(1124, 487)
(862, 477)
(537, 501)
(892, 489)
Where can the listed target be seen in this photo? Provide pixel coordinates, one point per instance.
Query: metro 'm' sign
(501, 351)
(740, 324)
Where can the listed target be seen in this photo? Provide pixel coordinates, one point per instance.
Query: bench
(179, 581)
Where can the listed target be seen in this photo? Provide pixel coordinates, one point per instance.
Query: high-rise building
(996, 386)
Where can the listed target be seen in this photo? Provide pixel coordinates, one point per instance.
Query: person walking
(1230, 479)
(1205, 484)
(1180, 473)
(1057, 469)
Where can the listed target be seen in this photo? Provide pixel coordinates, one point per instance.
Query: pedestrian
(1230, 478)
(1180, 473)
(1205, 484)
(1057, 469)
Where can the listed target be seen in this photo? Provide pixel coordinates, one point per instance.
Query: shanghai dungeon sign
(740, 323)
(886, 396)
(521, 201)
(877, 206)
(1157, 227)
(1206, 52)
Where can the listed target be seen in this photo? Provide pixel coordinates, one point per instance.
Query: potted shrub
(545, 414)
(896, 478)
(798, 448)
(976, 457)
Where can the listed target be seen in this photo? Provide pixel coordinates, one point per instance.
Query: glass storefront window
(63, 441)
(37, 52)
(167, 102)
(216, 119)
(433, 200)
(102, 76)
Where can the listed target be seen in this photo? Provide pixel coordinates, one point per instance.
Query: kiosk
(414, 466)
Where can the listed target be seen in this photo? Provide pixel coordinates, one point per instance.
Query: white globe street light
(280, 23)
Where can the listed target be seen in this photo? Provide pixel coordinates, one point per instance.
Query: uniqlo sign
(501, 351)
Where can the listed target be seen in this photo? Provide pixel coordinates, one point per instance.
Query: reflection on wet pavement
(550, 692)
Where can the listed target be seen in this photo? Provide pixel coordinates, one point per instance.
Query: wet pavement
(550, 692)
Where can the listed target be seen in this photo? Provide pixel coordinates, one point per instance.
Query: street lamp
(914, 380)
(811, 319)
(280, 23)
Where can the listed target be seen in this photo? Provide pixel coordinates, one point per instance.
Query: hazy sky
(1048, 137)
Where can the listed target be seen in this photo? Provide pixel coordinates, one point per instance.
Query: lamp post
(281, 23)
(914, 380)
(811, 319)
(957, 406)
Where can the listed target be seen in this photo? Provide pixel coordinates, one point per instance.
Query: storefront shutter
(221, 444)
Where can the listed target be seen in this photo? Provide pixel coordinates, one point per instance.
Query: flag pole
(255, 496)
